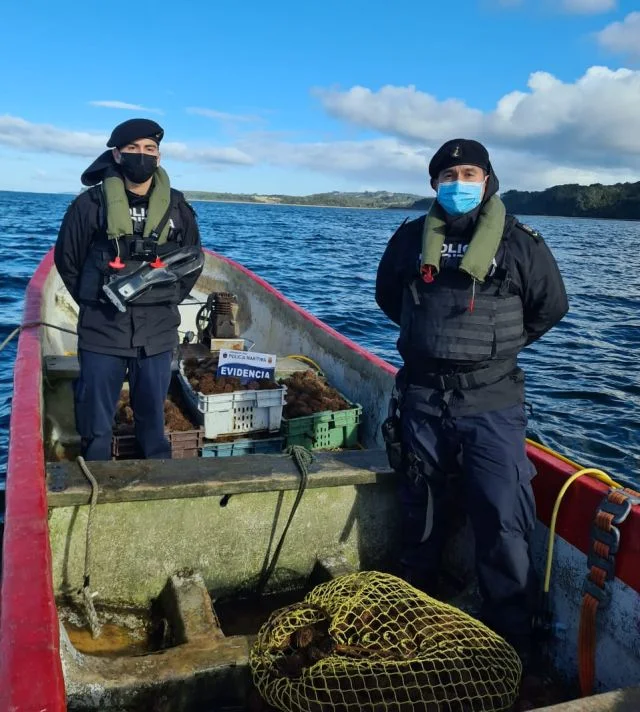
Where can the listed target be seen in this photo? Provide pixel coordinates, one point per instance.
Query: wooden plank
(132, 480)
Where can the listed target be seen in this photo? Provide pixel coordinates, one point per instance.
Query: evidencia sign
(246, 365)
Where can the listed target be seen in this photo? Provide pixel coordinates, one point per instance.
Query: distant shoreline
(409, 207)
(303, 205)
(572, 201)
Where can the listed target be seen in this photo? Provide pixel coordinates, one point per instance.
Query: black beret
(459, 152)
(135, 129)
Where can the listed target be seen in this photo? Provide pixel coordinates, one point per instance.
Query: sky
(298, 98)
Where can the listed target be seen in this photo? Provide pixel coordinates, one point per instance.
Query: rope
(8, 339)
(591, 472)
(31, 324)
(598, 596)
(87, 597)
(587, 636)
(589, 606)
(306, 359)
(302, 459)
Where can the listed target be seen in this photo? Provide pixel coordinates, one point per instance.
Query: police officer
(129, 221)
(469, 287)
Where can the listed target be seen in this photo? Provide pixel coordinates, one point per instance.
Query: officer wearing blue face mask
(470, 287)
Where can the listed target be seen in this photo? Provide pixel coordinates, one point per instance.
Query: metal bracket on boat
(605, 542)
(610, 538)
(58, 479)
(596, 594)
(607, 564)
(602, 595)
(620, 510)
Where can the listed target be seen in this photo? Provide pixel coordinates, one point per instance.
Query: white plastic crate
(236, 412)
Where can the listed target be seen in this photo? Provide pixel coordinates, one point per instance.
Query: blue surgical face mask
(459, 197)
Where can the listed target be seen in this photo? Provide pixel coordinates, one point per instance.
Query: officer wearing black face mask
(128, 222)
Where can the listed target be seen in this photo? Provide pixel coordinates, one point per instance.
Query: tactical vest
(132, 249)
(457, 319)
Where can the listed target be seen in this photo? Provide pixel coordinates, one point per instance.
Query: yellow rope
(308, 360)
(556, 454)
(589, 471)
(582, 471)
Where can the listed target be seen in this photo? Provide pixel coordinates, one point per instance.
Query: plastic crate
(184, 444)
(327, 430)
(235, 412)
(125, 447)
(243, 446)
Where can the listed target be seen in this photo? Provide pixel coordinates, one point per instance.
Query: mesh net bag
(370, 641)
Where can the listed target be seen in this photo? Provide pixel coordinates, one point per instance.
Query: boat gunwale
(29, 633)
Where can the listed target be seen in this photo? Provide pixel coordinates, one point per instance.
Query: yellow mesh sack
(371, 642)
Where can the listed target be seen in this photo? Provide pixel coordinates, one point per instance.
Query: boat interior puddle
(123, 631)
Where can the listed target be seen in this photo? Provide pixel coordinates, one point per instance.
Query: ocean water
(583, 379)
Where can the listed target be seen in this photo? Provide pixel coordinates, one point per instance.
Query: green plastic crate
(324, 431)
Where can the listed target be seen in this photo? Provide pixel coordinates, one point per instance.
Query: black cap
(133, 130)
(459, 152)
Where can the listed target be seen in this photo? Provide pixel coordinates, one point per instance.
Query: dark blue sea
(583, 377)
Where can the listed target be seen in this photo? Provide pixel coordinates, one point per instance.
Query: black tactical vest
(451, 319)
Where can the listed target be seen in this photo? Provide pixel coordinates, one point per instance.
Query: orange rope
(586, 648)
(589, 607)
(587, 634)
(601, 549)
(586, 644)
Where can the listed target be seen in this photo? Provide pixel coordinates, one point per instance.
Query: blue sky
(287, 97)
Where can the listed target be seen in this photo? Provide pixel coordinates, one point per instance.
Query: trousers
(487, 450)
(96, 397)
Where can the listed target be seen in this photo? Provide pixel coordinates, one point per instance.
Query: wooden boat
(182, 532)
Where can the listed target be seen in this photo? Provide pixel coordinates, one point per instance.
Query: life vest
(122, 242)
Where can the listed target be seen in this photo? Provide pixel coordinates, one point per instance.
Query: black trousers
(495, 491)
(96, 397)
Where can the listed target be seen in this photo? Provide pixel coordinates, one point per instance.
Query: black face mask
(138, 167)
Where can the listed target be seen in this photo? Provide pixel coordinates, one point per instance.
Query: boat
(195, 537)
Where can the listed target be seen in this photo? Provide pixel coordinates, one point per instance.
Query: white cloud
(590, 122)
(375, 159)
(588, 7)
(395, 164)
(403, 111)
(124, 105)
(622, 37)
(43, 138)
(228, 156)
(526, 171)
(222, 115)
